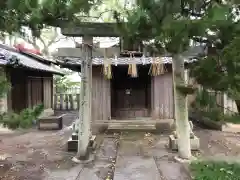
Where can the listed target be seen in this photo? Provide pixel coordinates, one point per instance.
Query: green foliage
(36, 14)
(172, 24)
(214, 114)
(207, 105)
(10, 120)
(220, 69)
(62, 83)
(215, 170)
(22, 120)
(26, 118)
(204, 100)
(37, 110)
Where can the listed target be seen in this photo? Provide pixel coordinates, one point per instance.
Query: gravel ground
(31, 154)
(27, 155)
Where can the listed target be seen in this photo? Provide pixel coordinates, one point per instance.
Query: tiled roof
(40, 58)
(121, 60)
(189, 56)
(7, 54)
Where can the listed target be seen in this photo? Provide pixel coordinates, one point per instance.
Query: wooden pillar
(28, 93)
(85, 97)
(47, 93)
(89, 40)
(3, 97)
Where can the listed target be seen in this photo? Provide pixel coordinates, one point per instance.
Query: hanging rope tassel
(132, 68)
(152, 67)
(157, 67)
(161, 68)
(107, 67)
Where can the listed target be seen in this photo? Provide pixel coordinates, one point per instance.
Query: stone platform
(194, 141)
(50, 122)
(146, 125)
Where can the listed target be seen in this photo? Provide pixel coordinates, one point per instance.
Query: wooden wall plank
(162, 97)
(47, 93)
(101, 95)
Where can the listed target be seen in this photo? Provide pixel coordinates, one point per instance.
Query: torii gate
(87, 31)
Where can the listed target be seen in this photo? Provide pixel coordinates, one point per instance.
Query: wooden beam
(90, 29)
(96, 52)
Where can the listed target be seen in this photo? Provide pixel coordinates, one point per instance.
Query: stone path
(132, 159)
(101, 169)
(146, 157)
(136, 167)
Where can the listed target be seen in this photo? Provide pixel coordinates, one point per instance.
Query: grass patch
(235, 119)
(208, 170)
(214, 115)
(220, 117)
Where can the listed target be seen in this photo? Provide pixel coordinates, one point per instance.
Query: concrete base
(72, 144)
(173, 144)
(46, 113)
(87, 161)
(181, 160)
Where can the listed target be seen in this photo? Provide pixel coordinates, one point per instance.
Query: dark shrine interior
(130, 92)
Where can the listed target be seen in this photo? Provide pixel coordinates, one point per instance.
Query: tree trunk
(85, 121)
(181, 109)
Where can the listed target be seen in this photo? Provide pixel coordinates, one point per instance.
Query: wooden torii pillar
(87, 31)
(85, 113)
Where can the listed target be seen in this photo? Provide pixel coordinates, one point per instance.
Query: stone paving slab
(129, 148)
(158, 150)
(88, 174)
(70, 174)
(172, 170)
(107, 149)
(136, 167)
(96, 171)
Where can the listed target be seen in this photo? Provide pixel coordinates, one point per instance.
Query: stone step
(131, 127)
(131, 122)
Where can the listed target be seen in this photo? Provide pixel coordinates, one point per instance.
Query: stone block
(175, 134)
(173, 143)
(50, 123)
(74, 136)
(72, 145)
